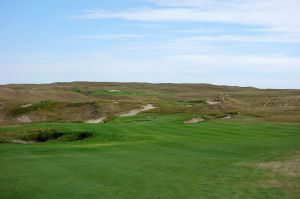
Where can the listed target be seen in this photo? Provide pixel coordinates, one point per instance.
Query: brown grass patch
(289, 172)
(291, 186)
(194, 120)
(289, 167)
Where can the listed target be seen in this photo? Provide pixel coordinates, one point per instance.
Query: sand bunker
(24, 119)
(25, 105)
(96, 121)
(23, 142)
(194, 120)
(113, 90)
(136, 111)
(213, 102)
(227, 117)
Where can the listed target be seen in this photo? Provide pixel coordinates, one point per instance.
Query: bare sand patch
(226, 117)
(136, 111)
(96, 121)
(24, 119)
(194, 120)
(25, 105)
(114, 90)
(213, 102)
(23, 142)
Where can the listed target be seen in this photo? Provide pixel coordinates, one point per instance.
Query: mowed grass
(151, 157)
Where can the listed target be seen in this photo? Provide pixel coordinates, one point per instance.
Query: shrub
(44, 105)
(76, 136)
(42, 135)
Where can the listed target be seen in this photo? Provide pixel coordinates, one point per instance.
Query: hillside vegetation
(82, 101)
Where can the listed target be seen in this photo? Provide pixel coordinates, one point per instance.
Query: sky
(225, 42)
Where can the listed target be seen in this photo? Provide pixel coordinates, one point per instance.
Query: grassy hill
(81, 101)
(194, 141)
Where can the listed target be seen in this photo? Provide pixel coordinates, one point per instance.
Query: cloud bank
(277, 15)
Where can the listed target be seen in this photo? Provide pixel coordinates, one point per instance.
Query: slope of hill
(138, 140)
(82, 101)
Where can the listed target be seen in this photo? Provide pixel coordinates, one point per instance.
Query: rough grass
(121, 93)
(151, 156)
(81, 101)
(44, 105)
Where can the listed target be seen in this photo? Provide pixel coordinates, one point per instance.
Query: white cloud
(213, 68)
(195, 3)
(276, 15)
(259, 64)
(111, 36)
(282, 38)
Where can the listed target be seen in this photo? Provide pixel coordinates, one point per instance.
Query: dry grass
(77, 103)
(289, 167)
(288, 171)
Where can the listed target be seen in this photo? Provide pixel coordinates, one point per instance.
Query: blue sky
(231, 42)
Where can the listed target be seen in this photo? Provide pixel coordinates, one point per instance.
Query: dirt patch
(136, 111)
(24, 119)
(96, 121)
(194, 120)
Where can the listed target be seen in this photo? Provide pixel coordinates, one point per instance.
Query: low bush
(76, 136)
(44, 105)
(45, 135)
(41, 135)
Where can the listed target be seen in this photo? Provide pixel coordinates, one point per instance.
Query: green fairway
(148, 156)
